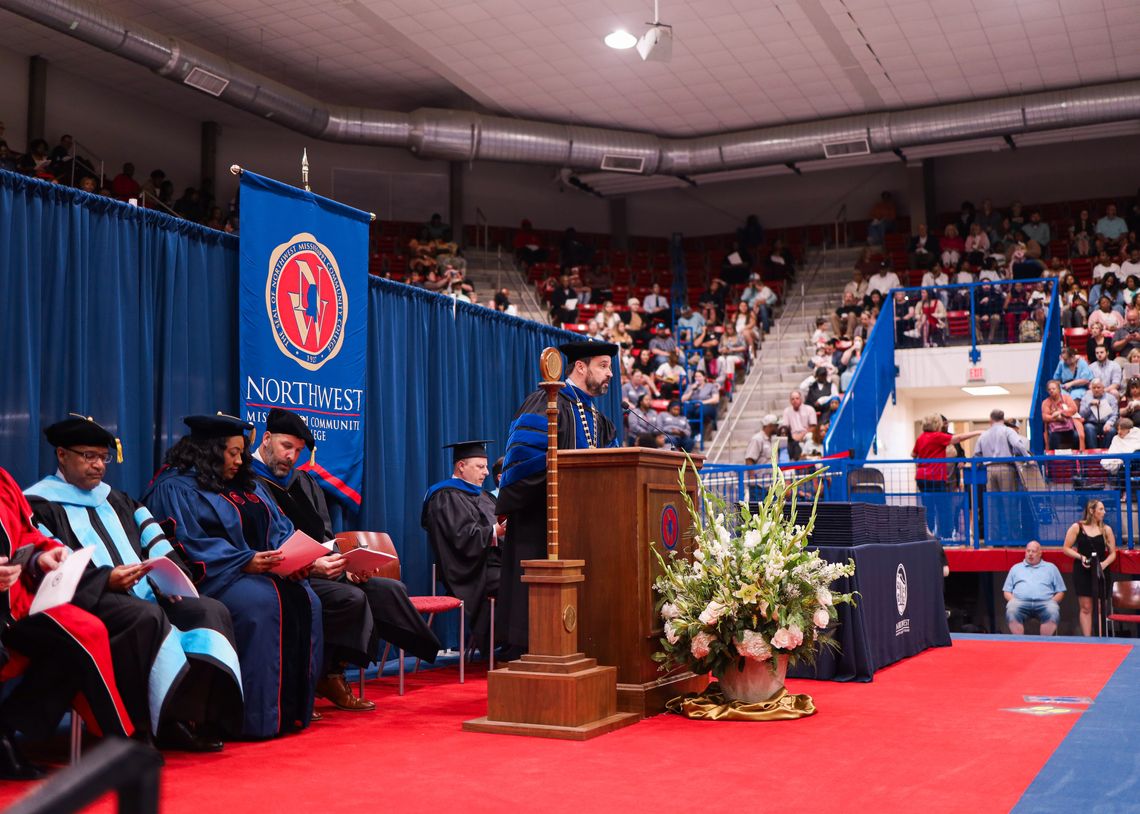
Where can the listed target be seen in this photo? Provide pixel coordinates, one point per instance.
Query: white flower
(670, 633)
(796, 634)
(782, 640)
(752, 645)
(711, 614)
(752, 538)
(722, 535)
(823, 596)
(820, 618)
(700, 644)
(698, 555)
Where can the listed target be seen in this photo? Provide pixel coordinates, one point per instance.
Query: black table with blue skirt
(899, 612)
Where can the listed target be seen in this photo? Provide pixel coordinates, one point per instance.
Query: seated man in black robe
(459, 517)
(522, 491)
(358, 609)
(194, 681)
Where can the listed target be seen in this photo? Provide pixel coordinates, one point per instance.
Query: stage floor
(949, 730)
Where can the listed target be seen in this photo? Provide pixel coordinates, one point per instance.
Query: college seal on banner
(306, 301)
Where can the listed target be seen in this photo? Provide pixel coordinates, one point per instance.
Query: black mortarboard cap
(467, 449)
(587, 350)
(289, 423)
(78, 430)
(205, 427)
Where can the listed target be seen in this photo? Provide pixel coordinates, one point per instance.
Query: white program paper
(299, 551)
(58, 586)
(365, 559)
(169, 579)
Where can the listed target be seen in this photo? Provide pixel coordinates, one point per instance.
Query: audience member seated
(690, 325)
(1104, 368)
(883, 215)
(874, 302)
(780, 264)
(1130, 401)
(1073, 373)
(1074, 305)
(1099, 412)
(748, 326)
(906, 322)
(821, 394)
(799, 417)
(823, 356)
(1111, 228)
(1038, 232)
(1059, 413)
(1125, 442)
(857, 285)
(990, 220)
(638, 386)
(712, 300)
(1131, 289)
(1108, 286)
(761, 299)
(976, 245)
(846, 316)
(639, 418)
(884, 279)
(619, 334)
(124, 186)
(751, 234)
(1082, 235)
(671, 376)
(1033, 589)
(760, 445)
(657, 305)
(1127, 337)
(677, 426)
(572, 252)
(822, 333)
(733, 346)
(930, 315)
(1105, 265)
(1105, 316)
(560, 313)
(736, 264)
(953, 246)
(1016, 215)
(1099, 339)
(1130, 268)
(701, 400)
(938, 275)
(663, 344)
(528, 246)
(435, 230)
(924, 250)
(36, 162)
(716, 368)
(848, 362)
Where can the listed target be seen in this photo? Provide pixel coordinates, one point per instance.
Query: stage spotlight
(620, 40)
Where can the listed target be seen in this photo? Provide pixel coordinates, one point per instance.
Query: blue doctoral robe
(122, 532)
(208, 527)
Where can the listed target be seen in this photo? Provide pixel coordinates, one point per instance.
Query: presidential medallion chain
(590, 442)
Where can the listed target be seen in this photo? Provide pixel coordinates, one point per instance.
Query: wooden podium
(614, 502)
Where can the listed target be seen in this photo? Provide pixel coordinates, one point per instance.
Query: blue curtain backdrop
(130, 316)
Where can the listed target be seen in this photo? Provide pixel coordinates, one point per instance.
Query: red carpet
(929, 734)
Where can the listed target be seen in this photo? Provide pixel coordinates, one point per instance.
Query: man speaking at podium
(522, 492)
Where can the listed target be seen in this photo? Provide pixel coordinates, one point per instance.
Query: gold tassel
(118, 451)
(313, 456)
(252, 437)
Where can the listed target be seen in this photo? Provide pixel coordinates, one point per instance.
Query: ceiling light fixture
(655, 44)
(987, 390)
(620, 40)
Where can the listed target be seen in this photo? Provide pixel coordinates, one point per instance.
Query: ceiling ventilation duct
(458, 135)
(623, 163)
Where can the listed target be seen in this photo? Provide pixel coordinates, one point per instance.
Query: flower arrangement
(752, 590)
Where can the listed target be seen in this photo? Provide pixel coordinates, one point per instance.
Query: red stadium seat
(959, 323)
(1077, 339)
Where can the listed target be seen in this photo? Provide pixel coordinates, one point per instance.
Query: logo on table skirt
(903, 625)
(670, 526)
(306, 301)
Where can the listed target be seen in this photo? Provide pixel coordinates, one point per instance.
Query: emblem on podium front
(670, 526)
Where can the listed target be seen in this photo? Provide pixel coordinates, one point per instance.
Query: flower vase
(756, 682)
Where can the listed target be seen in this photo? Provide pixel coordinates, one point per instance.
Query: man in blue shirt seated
(1033, 588)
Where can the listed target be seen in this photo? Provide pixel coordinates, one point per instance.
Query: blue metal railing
(853, 427)
(986, 502)
(1050, 353)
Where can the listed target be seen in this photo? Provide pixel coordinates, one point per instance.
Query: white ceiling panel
(738, 63)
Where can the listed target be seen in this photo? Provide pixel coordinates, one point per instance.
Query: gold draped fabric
(713, 706)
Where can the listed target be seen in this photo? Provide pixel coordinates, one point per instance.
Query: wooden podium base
(554, 691)
(647, 700)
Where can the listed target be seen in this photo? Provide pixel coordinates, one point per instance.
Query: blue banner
(304, 321)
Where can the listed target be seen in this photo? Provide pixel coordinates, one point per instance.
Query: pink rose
(782, 640)
(796, 634)
(820, 618)
(700, 644)
(670, 633)
(711, 614)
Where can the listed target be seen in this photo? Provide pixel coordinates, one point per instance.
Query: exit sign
(975, 374)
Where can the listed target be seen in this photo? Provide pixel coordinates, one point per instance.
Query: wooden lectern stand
(614, 503)
(553, 691)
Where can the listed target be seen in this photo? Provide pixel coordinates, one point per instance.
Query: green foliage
(750, 589)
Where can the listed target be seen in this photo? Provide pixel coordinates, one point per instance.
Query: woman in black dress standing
(1091, 535)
